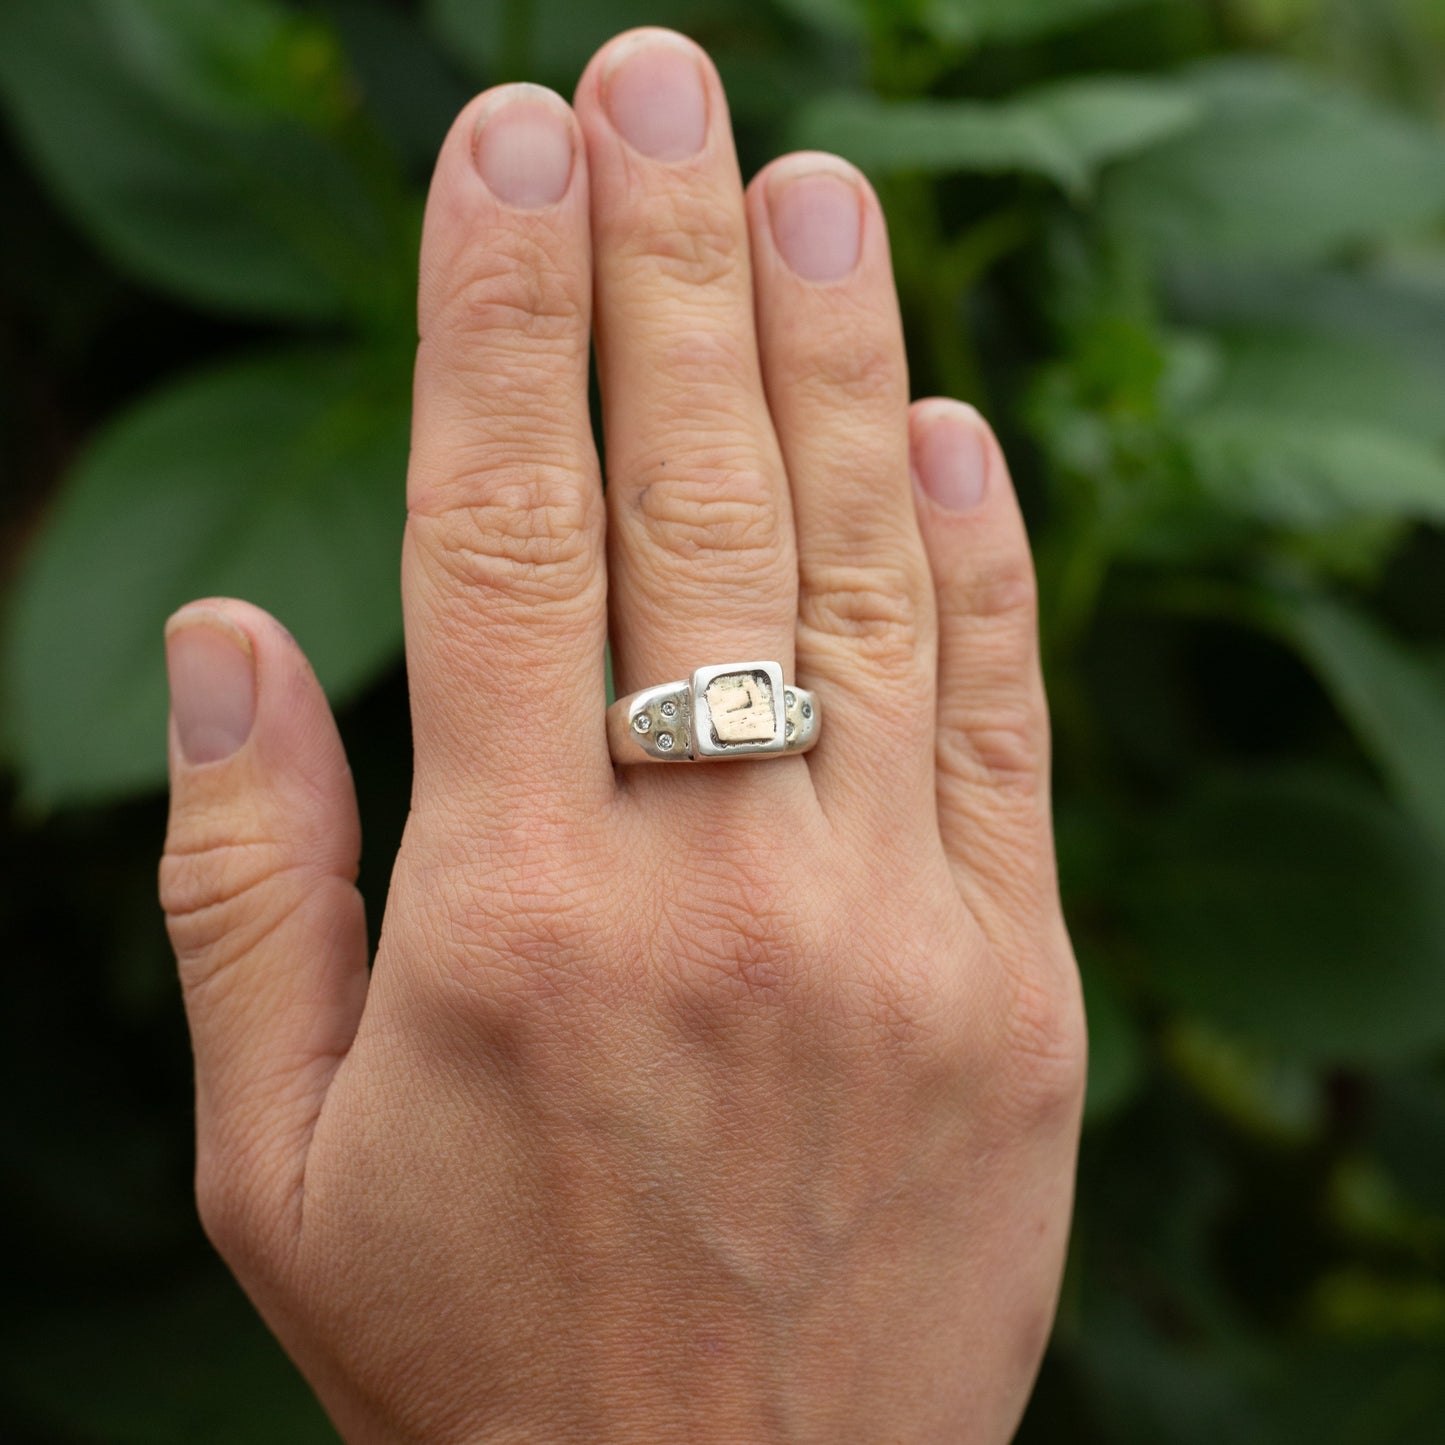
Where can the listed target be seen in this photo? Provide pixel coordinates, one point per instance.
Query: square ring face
(738, 709)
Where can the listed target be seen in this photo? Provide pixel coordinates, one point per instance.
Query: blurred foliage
(1188, 254)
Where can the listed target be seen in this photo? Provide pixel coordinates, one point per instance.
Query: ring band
(734, 710)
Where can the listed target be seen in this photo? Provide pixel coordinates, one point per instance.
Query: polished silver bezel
(705, 745)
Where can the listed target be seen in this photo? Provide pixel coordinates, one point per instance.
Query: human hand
(684, 1103)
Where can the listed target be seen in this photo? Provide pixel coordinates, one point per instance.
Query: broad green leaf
(1392, 699)
(981, 22)
(1282, 167)
(1305, 914)
(1312, 471)
(1064, 132)
(212, 148)
(1384, 310)
(1308, 375)
(1368, 347)
(278, 480)
(176, 1366)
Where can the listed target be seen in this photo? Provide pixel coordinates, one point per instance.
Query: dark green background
(1190, 258)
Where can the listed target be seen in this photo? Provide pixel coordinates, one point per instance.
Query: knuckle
(998, 740)
(209, 893)
(736, 946)
(519, 944)
(997, 729)
(219, 1207)
(723, 976)
(232, 1212)
(688, 234)
(1009, 856)
(882, 611)
(515, 529)
(1043, 1073)
(913, 1013)
(1002, 594)
(515, 290)
(720, 504)
(906, 985)
(513, 974)
(854, 361)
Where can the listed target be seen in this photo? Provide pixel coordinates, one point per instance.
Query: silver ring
(733, 710)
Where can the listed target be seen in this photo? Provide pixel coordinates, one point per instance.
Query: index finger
(503, 579)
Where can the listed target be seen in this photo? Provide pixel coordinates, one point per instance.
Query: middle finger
(700, 540)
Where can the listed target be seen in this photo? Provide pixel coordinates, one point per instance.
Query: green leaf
(1283, 167)
(1402, 315)
(212, 148)
(1392, 699)
(1313, 376)
(1312, 471)
(983, 22)
(1305, 914)
(1369, 348)
(1064, 132)
(278, 480)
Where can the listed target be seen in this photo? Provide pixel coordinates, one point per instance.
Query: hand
(684, 1103)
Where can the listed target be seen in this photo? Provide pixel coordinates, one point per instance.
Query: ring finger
(701, 560)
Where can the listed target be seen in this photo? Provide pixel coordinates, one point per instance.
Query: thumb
(257, 883)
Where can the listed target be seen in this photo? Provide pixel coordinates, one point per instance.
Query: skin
(689, 1103)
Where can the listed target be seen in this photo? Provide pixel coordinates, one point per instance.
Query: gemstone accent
(789, 734)
(641, 723)
(741, 707)
(789, 696)
(668, 709)
(807, 709)
(665, 742)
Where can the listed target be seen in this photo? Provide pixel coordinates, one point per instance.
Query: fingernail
(817, 223)
(653, 88)
(524, 147)
(213, 685)
(950, 456)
